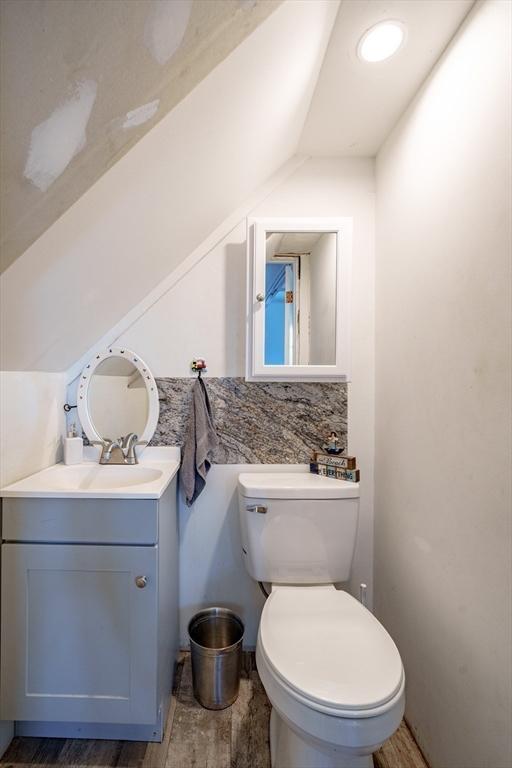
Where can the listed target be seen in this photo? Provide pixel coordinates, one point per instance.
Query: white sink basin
(95, 477)
(148, 479)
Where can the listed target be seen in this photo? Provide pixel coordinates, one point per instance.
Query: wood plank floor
(236, 737)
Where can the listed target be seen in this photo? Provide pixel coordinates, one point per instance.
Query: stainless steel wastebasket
(216, 636)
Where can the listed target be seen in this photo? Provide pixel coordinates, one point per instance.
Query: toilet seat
(351, 736)
(329, 652)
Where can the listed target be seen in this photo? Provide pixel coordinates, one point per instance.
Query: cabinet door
(79, 637)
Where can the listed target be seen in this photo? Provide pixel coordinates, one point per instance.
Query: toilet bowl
(332, 673)
(333, 676)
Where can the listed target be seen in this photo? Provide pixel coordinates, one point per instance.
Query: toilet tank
(297, 527)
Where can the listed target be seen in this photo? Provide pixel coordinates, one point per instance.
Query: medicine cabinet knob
(141, 581)
(260, 297)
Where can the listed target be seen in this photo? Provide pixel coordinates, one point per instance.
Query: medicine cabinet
(298, 299)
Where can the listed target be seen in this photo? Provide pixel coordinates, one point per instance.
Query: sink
(148, 479)
(95, 477)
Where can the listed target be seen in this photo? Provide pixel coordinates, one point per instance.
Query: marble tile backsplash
(257, 423)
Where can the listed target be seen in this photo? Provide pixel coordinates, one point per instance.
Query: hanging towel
(201, 442)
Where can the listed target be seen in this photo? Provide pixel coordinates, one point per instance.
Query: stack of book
(335, 465)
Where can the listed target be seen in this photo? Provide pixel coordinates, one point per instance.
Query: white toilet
(332, 673)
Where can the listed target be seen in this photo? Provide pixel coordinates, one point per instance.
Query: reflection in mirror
(300, 298)
(118, 400)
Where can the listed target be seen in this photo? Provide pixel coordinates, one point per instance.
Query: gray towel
(200, 444)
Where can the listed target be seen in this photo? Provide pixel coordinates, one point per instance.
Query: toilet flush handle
(362, 594)
(257, 508)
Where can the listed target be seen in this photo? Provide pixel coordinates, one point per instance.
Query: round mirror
(117, 395)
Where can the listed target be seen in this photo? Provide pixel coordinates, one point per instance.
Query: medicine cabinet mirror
(298, 299)
(117, 394)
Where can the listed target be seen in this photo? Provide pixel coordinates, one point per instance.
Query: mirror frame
(257, 229)
(147, 377)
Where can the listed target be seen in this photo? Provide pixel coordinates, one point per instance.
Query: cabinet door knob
(260, 297)
(141, 581)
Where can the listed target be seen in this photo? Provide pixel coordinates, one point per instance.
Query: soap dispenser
(73, 447)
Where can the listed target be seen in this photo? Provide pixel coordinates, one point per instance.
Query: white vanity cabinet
(89, 615)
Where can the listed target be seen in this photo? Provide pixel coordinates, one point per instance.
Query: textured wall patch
(60, 137)
(141, 114)
(165, 27)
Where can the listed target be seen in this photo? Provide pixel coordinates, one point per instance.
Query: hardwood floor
(236, 737)
(400, 751)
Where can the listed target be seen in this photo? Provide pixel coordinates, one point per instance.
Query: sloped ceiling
(83, 80)
(163, 198)
(356, 104)
(219, 143)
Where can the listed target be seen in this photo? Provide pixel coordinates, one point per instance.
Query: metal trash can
(216, 636)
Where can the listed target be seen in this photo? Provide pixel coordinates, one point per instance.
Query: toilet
(332, 673)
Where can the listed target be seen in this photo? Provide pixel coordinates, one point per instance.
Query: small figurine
(332, 445)
(198, 366)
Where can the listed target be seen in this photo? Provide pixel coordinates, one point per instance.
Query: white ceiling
(290, 242)
(356, 104)
(298, 242)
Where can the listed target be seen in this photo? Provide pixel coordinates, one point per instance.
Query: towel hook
(198, 366)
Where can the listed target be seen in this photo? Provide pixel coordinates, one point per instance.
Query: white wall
(31, 426)
(159, 202)
(31, 422)
(204, 316)
(322, 281)
(443, 500)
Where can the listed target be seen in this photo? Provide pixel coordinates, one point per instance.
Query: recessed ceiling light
(381, 41)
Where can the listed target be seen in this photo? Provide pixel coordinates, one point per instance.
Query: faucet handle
(104, 442)
(128, 440)
(105, 445)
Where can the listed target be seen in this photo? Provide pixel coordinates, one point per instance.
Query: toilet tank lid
(294, 485)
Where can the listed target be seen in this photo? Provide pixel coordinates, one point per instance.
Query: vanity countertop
(89, 480)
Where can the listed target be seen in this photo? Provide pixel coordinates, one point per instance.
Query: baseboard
(112, 731)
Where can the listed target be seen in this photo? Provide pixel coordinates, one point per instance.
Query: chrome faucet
(120, 451)
(111, 451)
